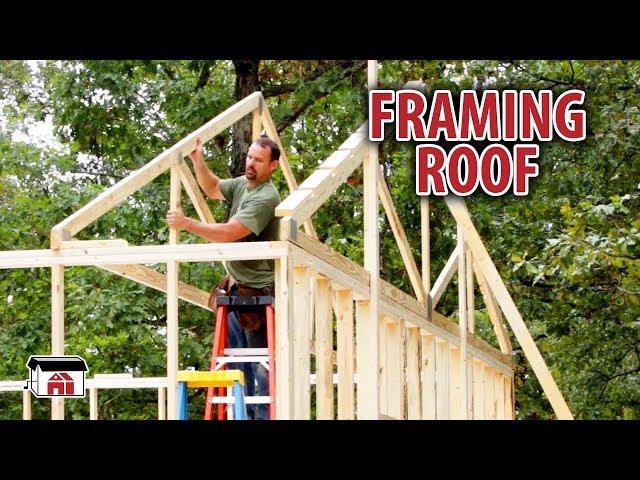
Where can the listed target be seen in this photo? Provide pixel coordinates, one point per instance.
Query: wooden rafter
(314, 191)
(495, 315)
(158, 281)
(440, 285)
(289, 177)
(401, 239)
(195, 195)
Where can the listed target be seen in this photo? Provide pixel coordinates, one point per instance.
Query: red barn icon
(60, 384)
(56, 376)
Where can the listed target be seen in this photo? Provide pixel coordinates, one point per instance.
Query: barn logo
(56, 376)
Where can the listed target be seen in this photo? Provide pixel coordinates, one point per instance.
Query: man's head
(262, 159)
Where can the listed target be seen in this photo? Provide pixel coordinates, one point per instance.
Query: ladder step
(246, 351)
(257, 399)
(223, 360)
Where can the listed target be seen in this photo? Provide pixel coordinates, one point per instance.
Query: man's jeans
(238, 337)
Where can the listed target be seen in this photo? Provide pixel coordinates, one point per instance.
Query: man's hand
(176, 219)
(197, 155)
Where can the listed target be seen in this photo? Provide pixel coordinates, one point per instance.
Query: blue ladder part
(182, 400)
(239, 407)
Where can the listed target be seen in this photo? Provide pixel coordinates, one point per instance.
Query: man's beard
(251, 175)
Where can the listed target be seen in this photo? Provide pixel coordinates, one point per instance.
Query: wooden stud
(489, 394)
(367, 359)
(284, 337)
(162, 403)
(383, 370)
(301, 341)
(324, 351)
(93, 404)
(57, 329)
(395, 370)
(428, 376)
(455, 387)
(414, 411)
(470, 389)
(393, 301)
(509, 402)
(367, 312)
(478, 390)
(173, 269)
(443, 410)
(26, 404)
(499, 393)
(345, 351)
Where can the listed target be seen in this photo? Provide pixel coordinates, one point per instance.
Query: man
(253, 199)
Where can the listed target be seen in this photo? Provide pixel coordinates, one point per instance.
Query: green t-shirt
(255, 209)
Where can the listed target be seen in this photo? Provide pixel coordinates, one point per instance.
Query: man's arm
(209, 181)
(213, 232)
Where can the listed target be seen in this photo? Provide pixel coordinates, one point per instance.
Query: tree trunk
(246, 84)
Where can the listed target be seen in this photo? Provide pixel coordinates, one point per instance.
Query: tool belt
(249, 317)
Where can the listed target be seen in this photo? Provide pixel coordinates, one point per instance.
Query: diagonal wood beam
(289, 177)
(158, 281)
(401, 239)
(314, 191)
(440, 285)
(195, 195)
(493, 309)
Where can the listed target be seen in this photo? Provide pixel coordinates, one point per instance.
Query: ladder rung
(254, 399)
(246, 351)
(260, 358)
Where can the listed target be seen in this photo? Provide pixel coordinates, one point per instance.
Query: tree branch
(628, 292)
(281, 89)
(555, 82)
(205, 73)
(168, 71)
(316, 94)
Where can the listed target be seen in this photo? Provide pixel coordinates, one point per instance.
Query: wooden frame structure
(405, 361)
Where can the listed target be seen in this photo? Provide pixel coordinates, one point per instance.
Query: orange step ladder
(221, 356)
